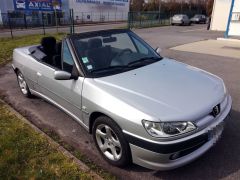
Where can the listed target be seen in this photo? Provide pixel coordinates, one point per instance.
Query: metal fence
(27, 20)
(154, 18)
(147, 19)
(45, 20)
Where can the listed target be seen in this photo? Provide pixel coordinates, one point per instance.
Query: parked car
(140, 107)
(180, 19)
(199, 18)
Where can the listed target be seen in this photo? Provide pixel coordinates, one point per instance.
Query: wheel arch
(94, 115)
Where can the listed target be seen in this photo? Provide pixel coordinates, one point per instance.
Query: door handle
(39, 74)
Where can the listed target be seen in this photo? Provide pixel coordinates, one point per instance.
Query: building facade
(226, 17)
(99, 10)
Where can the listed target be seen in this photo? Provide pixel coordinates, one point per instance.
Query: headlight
(167, 129)
(225, 89)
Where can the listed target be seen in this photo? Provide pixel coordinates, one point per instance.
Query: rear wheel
(23, 85)
(110, 142)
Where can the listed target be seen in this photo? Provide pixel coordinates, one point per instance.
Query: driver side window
(67, 59)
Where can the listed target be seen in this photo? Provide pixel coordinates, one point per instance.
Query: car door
(64, 93)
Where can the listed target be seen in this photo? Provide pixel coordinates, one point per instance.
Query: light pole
(181, 6)
(159, 9)
(56, 5)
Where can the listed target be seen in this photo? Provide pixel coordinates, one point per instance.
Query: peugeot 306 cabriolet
(140, 107)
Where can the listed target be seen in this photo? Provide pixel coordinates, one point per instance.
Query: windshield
(178, 16)
(197, 16)
(113, 52)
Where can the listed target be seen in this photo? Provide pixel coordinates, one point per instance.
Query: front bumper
(176, 153)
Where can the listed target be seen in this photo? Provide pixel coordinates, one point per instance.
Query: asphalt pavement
(220, 162)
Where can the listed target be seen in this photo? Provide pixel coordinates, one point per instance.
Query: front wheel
(110, 142)
(23, 85)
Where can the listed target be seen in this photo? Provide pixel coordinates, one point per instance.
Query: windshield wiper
(129, 65)
(144, 60)
(108, 68)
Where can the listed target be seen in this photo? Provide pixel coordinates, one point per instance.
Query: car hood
(167, 90)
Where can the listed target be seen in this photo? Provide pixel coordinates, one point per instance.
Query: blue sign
(37, 5)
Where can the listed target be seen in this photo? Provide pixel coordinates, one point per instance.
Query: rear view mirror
(158, 50)
(62, 75)
(109, 39)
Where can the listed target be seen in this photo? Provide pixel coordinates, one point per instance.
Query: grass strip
(8, 44)
(27, 154)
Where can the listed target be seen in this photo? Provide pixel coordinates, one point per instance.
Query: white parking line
(192, 30)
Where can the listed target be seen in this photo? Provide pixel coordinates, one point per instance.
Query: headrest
(48, 43)
(59, 48)
(94, 43)
(81, 45)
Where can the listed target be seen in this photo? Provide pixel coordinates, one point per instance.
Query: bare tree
(136, 5)
(210, 7)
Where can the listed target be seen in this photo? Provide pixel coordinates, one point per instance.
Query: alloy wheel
(22, 83)
(108, 142)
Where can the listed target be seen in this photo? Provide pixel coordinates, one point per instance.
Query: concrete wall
(234, 28)
(221, 10)
(1, 21)
(6, 5)
(100, 10)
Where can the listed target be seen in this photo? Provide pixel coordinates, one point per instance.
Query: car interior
(100, 52)
(98, 55)
(48, 52)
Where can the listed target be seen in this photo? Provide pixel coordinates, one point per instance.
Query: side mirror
(158, 50)
(62, 75)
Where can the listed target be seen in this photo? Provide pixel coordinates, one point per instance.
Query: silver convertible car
(140, 107)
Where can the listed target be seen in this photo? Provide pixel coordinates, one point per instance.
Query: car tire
(23, 85)
(110, 142)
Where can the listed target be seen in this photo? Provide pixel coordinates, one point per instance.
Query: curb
(229, 39)
(60, 148)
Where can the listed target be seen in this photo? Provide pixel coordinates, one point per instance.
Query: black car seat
(81, 47)
(97, 54)
(57, 62)
(49, 48)
(59, 48)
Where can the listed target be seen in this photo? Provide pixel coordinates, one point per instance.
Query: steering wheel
(124, 51)
(118, 61)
